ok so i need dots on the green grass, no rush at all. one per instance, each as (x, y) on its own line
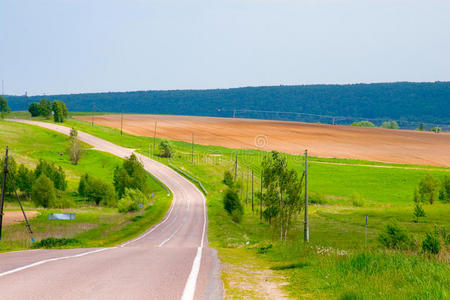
(93, 226)
(334, 264)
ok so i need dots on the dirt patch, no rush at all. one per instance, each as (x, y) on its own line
(374, 144)
(14, 217)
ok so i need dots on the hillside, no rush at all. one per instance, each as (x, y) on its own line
(408, 103)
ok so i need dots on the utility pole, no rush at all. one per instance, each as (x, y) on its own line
(121, 123)
(246, 197)
(154, 138)
(306, 237)
(2, 199)
(192, 147)
(261, 199)
(253, 208)
(93, 111)
(236, 168)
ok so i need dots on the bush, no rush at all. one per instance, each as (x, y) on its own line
(395, 236)
(131, 200)
(54, 173)
(131, 175)
(52, 242)
(317, 198)
(363, 124)
(165, 149)
(228, 179)
(232, 205)
(390, 125)
(97, 190)
(43, 192)
(432, 244)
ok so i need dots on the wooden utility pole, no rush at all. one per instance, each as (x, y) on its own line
(236, 168)
(154, 138)
(261, 199)
(121, 123)
(246, 197)
(2, 199)
(365, 235)
(253, 208)
(192, 147)
(306, 237)
(93, 111)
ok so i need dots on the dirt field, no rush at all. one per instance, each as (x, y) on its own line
(14, 217)
(375, 144)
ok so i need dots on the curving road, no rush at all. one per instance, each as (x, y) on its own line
(169, 261)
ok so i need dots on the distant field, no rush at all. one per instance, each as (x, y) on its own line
(373, 144)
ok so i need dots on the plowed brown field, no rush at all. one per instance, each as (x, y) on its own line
(375, 144)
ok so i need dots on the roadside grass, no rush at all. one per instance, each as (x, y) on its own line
(93, 226)
(334, 264)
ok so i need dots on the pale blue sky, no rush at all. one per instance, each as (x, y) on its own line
(71, 46)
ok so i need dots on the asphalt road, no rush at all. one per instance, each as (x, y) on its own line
(169, 261)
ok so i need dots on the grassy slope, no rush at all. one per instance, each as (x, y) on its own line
(333, 264)
(94, 226)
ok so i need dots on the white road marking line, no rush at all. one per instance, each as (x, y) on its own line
(191, 283)
(52, 259)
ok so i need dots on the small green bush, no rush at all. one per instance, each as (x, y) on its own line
(432, 244)
(228, 179)
(395, 236)
(52, 242)
(232, 205)
(131, 200)
(43, 192)
(357, 201)
(317, 198)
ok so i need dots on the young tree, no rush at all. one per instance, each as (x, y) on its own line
(4, 108)
(282, 192)
(429, 188)
(421, 127)
(418, 212)
(54, 173)
(34, 109)
(390, 125)
(74, 147)
(45, 108)
(43, 192)
(82, 186)
(165, 149)
(444, 192)
(130, 175)
(25, 179)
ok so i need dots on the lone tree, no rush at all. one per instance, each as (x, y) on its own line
(74, 147)
(4, 108)
(165, 149)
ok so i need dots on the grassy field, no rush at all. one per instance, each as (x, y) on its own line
(334, 264)
(94, 226)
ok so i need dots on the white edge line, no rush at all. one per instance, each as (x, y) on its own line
(52, 259)
(189, 288)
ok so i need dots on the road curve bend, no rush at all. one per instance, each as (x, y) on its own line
(171, 260)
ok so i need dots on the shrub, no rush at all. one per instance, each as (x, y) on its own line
(100, 192)
(43, 192)
(232, 205)
(395, 236)
(52, 242)
(363, 124)
(390, 125)
(228, 179)
(61, 201)
(54, 173)
(165, 149)
(34, 109)
(131, 200)
(317, 198)
(130, 175)
(236, 216)
(432, 244)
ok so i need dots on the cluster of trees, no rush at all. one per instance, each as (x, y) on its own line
(127, 192)
(46, 108)
(4, 108)
(281, 194)
(44, 185)
(429, 190)
(387, 124)
(402, 101)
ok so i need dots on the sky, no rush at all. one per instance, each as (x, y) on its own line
(78, 46)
